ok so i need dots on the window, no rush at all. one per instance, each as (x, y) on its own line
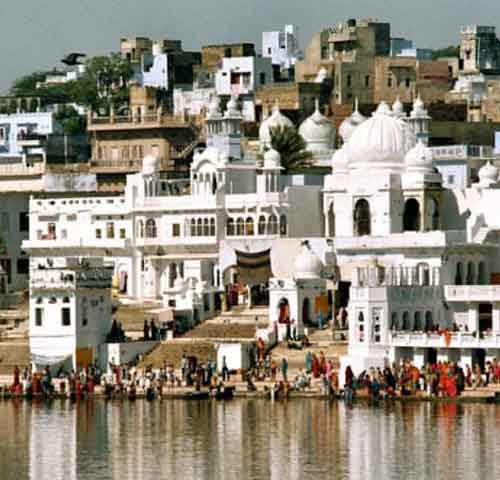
(65, 317)
(230, 227)
(269, 51)
(389, 80)
(24, 222)
(150, 228)
(240, 227)
(122, 233)
(411, 216)
(140, 229)
(273, 225)
(176, 230)
(407, 83)
(249, 230)
(451, 179)
(377, 314)
(3, 135)
(110, 230)
(262, 76)
(367, 81)
(98, 233)
(199, 227)
(362, 219)
(361, 327)
(38, 317)
(262, 225)
(348, 80)
(212, 227)
(193, 227)
(23, 266)
(283, 225)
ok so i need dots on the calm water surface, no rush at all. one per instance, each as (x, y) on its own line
(247, 439)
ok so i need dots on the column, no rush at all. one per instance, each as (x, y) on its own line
(496, 317)
(419, 357)
(473, 320)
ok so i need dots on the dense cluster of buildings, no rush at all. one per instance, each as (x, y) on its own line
(179, 198)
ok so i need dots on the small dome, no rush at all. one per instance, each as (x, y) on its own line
(488, 174)
(214, 108)
(340, 160)
(150, 164)
(317, 131)
(381, 142)
(419, 159)
(418, 108)
(350, 124)
(232, 109)
(307, 264)
(272, 159)
(276, 120)
(398, 108)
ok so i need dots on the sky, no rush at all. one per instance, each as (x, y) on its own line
(36, 34)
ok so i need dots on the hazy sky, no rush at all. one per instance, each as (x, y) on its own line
(35, 34)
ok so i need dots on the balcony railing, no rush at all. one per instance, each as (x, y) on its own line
(472, 293)
(456, 340)
(153, 120)
(130, 165)
(21, 169)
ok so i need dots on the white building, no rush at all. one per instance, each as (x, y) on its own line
(70, 311)
(282, 47)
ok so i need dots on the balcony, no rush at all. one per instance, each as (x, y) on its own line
(458, 340)
(136, 122)
(472, 293)
(123, 166)
(21, 169)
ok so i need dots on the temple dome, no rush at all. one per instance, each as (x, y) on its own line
(419, 159)
(272, 159)
(350, 124)
(317, 131)
(150, 164)
(488, 174)
(276, 120)
(381, 142)
(307, 265)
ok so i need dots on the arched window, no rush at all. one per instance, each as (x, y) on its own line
(240, 227)
(283, 225)
(411, 216)
(150, 228)
(212, 227)
(140, 229)
(214, 184)
(361, 327)
(406, 321)
(362, 218)
(471, 273)
(481, 274)
(206, 227)
(249, 230)
(394, 321)
(230, 227)
(262, 225)
(428, 321)
(193, 227)
(459, 275)
(424, 276)
(417, 323)
(199, 227)
(273, 225)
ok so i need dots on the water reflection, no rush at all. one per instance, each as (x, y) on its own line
(247, 439)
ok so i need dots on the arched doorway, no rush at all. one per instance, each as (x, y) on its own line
(411, 216)
(283, 311)
(306, 317)
(362, 218)
(433, 214)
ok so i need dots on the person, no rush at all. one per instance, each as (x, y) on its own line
(284, 369)
(308, 362)
(154, 330)
(225, 370)
(294, 330)
(46, 381)
(146, 330)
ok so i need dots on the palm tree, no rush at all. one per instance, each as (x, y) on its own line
(292, 148)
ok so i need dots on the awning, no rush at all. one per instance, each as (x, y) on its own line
(254, 268)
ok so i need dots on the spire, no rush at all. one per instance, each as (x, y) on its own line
(316, 105)
(276, 107)
(356, 105)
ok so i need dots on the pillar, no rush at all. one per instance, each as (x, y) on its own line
(473, 318)
(419, 357)
(496, 317)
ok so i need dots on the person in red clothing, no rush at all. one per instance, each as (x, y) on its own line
(16, 383)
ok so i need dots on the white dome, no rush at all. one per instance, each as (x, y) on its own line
(381, 142)
(350, 124)
(419, 159)
(418, 108)
(213, 108)
(398, 108)
(150, 164)
(488, 174)
(317, 131)
(276, 120)
(232, 109)
(272, 159)
(307, 264)
(340, 160)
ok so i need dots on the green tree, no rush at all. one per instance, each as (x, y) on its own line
(292, 148)
(450, 51)
(71, 121)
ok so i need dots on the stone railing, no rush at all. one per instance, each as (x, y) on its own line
(472, 293)
(433, 340)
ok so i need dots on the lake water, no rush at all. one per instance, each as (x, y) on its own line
(247, 439)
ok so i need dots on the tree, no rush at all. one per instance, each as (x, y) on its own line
(292, 148)
(70, 120)
(450, 51)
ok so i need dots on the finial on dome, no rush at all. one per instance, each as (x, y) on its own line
(316, 105)
(356, 105)
(276, 106)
